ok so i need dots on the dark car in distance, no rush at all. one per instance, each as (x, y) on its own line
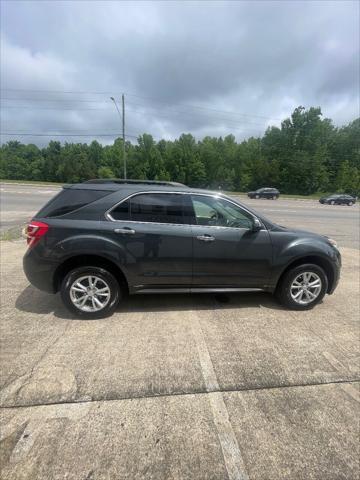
(98, 241)
(338, 199)
(267, 192)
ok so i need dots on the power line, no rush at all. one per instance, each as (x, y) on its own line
(207, 117)
(159, 100)
(52, 100)
(26, 107)
(230, 121)
(206, 108)
(102, 102)
(65, 134)
(58, 91)
(235, 124)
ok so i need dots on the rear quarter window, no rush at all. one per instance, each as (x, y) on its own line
(69, 200)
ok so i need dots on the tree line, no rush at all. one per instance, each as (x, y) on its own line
(307, 154)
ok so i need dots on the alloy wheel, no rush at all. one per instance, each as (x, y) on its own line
(305, 288)
(90, 293)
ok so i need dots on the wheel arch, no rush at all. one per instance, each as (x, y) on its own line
(89, 260)
(316, 260)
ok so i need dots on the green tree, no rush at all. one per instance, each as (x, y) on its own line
(306, 154)
(105, 172)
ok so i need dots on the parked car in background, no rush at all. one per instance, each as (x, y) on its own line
(267, 192)
(96, 242)
(338, 199)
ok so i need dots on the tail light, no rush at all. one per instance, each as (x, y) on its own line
(34, 231)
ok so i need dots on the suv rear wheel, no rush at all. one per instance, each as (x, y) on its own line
(303, 287)
(90, 292)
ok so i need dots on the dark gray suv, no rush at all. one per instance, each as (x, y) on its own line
(269, 193)
(97, 241)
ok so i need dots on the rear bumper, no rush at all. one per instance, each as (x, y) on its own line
(39, 272)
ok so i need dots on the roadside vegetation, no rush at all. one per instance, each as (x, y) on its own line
(31, 182)
(12, 233)
(306, 155)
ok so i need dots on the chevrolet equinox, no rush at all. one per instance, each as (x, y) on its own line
(99, 240)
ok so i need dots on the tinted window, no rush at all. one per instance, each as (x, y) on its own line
(122, 211)
(69, 200)
(157, 207)
(152, 207)
(218, 212)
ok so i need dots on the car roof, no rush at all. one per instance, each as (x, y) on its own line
(130, 187)
(114, 186)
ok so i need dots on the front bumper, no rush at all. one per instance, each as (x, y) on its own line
(336, 272)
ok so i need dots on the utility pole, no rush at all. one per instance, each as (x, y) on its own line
(123, 128)
(123, 132)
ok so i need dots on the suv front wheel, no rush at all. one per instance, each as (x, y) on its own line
(90, 292)
(302, 287)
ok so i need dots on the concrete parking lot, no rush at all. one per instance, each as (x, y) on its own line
(182, 387)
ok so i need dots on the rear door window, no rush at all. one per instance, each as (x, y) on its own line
(68, 200)
(157, 208)
(154, 208)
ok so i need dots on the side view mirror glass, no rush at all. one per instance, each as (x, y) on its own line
(257, 225)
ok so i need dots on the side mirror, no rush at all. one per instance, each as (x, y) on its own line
(257, 225)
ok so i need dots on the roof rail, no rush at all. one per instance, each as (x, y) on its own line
(122, 181)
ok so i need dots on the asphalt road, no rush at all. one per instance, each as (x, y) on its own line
(179, 387)
(20, 202)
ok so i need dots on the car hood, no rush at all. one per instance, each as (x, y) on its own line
(298, 231)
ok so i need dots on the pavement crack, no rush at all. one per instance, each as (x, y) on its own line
(29, 375)
(48, 348)
(95, 399)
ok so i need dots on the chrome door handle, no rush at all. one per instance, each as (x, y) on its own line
(206, 238)
(125, 231)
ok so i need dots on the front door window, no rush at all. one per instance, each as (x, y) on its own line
(218, 212)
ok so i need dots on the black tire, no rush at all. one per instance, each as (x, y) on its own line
(257, 196)
(102, 274)
(350, 204)
(332, 202)
(283, 290)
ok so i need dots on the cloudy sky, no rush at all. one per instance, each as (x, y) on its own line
(208, 68)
